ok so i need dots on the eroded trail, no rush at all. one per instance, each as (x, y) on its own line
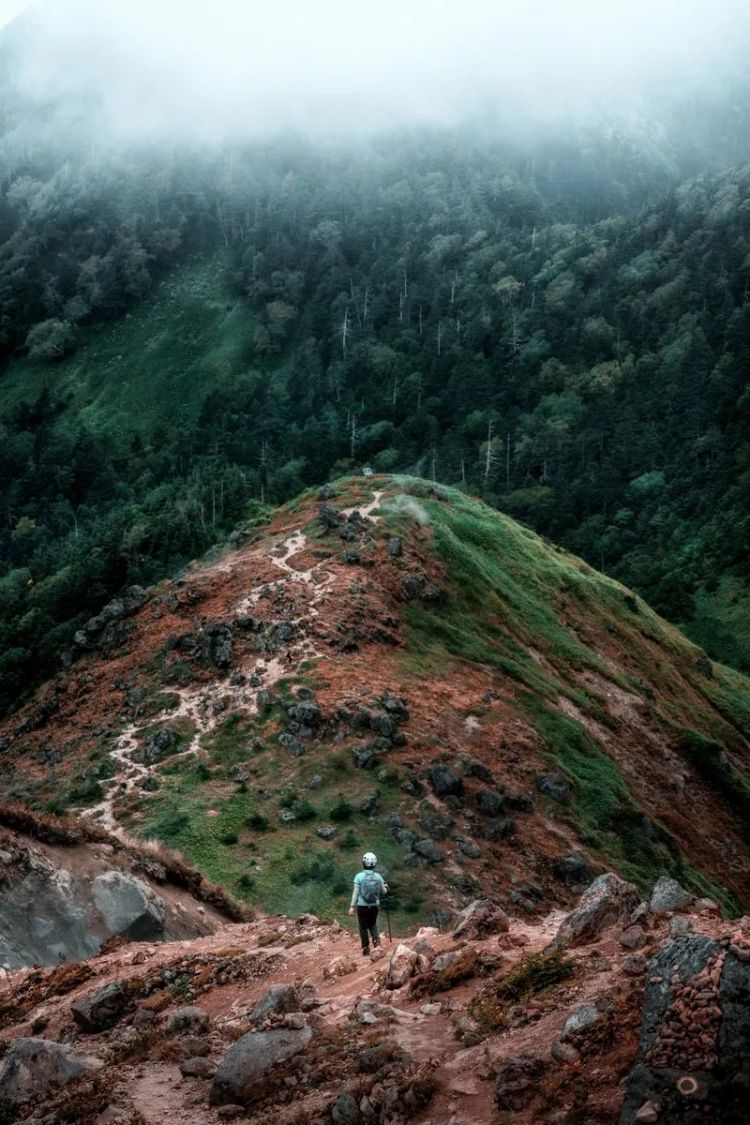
(236, 692)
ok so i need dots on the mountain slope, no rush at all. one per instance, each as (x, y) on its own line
(404, 666)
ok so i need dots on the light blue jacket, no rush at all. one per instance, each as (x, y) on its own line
(357, 899)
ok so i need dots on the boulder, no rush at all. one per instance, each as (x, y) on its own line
(516, 1081)
(669, 895)
(607, 901)
(160, 744)
(499, 828)
(129, 907)
(445, 782)
(277, 1000)
(480, 919)
(101, 1009)
(250, 1058)
(34, 1067)
(198, 1067)
(490, 802)
(188, 1020)
(633, 937)
(428, 850)
(329, 516)
(694, 1054)
(345, 1110)
(573, 870)
(580, 1022)
(403, 966)
(556, 787)
(217, 642)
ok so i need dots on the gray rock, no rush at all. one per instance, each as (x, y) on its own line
(564, 1052)
(325, 831)
(161, 744)
(345, 1110)
(369, 804)
(580, 1022)
(490, 802)
(445, 782)
(395, 547)
(722, 1071)
(635, 965)
(468, 847)
(556, 787)
(307, 713)
(669, 895)
(680, 925)
(197, 1068)
(276, 1000)
(499, 828)
(32, 1068)
(329, 516)
(607, 901)
(516, 1081)
(250, 1058)
(364, 757)
(573, 870)
(428, 850)
(101, 1009)
(187, 1020)
(129, 907)
(633, 937)
(480, 919)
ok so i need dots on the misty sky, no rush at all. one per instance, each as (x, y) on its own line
(210, 66)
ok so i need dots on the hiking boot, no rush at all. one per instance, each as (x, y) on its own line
(365, 952)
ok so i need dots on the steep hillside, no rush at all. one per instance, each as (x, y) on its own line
(395, 665)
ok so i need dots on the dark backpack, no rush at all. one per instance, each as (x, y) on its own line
(369, 888)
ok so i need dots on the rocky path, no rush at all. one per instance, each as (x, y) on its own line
(197, 704)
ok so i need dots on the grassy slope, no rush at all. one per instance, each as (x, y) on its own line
(511, 593)
(508, 594)
(152, 366)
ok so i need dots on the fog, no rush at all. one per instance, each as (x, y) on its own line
(240, 66)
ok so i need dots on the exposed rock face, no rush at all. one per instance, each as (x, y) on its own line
(129, 907)
(608, 900)
(573, 870)
(250, 1057)
(669, 895)
(694, 1057)
(480, 919)
(34, 1067)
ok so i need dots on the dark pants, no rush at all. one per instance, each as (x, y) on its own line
(367, 916)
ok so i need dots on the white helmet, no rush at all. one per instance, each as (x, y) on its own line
(369, 859)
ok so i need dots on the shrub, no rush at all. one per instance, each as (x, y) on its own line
(258, 822)
(341, 812)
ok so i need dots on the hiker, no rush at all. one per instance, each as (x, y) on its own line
(369, 885)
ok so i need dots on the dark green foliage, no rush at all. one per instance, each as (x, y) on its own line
(258, 822)
(711, 763)
(341, 812)
(534, 974)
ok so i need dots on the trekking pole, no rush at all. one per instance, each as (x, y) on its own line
(388, 916)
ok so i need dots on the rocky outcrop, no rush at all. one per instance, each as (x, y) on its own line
(129, 907)
(480, 919)
(250, 1058)
(668, 895)
(100, 1009)
(34, 1067)
(607, 901)
(693, 1061)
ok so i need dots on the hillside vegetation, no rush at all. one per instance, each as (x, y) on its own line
(185, 334)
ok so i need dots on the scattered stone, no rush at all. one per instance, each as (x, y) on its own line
(431, 1009)
(187, 1020)
(499, 829)
(250, 1058)
(276, 1000)
(445, 782)
(490, 802)
(635, 965)
(428, 850)
(230, 1112)
(345, 1111)
(395, 547)
(607, 901)
(516, 1081)
(480, 919)
(556, 788)
(579, 1022)
(101, 1009)
(680, 925)
(564, 1052)
(339, 967)
(468, 847)
(648, 1112)
(369, 804)
(326, 831)
(573, 870)
(633, 937)
(668, 895)
(197, 1068)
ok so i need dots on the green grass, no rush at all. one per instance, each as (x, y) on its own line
(157, 362)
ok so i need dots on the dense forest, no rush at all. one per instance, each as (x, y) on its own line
(561, 325)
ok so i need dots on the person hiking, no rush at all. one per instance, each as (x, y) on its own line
(369, 885)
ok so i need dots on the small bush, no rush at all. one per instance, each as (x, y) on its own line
(257, 822)
(341, 812)
(466, 966)
(349, 841)
(228, 838)
(531, 976)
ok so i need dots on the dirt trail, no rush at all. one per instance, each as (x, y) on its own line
(197, 704)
